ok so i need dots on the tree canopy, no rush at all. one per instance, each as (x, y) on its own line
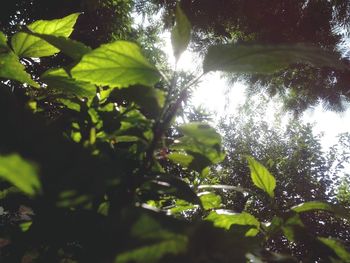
(324, 24)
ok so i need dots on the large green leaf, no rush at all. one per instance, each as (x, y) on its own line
(226, 220)
(318, 205)
(118, 64)
(60, 80)
(20, 173)
(266, 59)
(261, 176)
(181, 33)
(69, 47)
(11, 68)
(201, 142)
(26, 45)
(339, 249)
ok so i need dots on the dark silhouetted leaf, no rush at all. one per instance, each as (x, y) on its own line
(266, 59)
(181, 33)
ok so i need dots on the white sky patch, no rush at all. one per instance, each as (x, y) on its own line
(213, 94)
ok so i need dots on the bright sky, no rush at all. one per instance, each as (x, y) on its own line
(212, 94)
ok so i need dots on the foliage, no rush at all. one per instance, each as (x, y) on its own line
(93, 184)
(321, 24)
(303, 172)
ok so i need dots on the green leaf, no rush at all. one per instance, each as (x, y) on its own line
(177, 187)
(226, 220)
(3, 42)
(181, 206)
(26, 45)
(118, 64)
(153, 253)
(157, 240)
(340, 250)
(151, 101)
(21, 173)
(181, 33)
(72, 48)
(261, 176)
(224, 187)
(181, 158)
(318, 205)
(11, 68)
(200, 141)
(266, 59)
(210, 200)
(59, 80)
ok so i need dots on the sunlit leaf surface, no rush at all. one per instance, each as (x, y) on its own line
(118, 64)
(26, 45)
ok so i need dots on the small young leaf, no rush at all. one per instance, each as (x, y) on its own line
(264, 59)
(210, 200)
(118, 64)
(181, 33)
(318, 205)
(11, 68)
(26, 45)
(20, 173)
(261, 176)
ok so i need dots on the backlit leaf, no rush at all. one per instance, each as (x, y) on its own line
(69, 47)
(318, 205)
(59, 80)
(261, 177)
(19, 172)
(153, 253)
(340, 250)
(266, 59)
(210, 200)
(3, 42)
(11, 68)
(200, 141)
(181, 33)
(181, 158)
(226, 220)
(26, 45)
(118, 64)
